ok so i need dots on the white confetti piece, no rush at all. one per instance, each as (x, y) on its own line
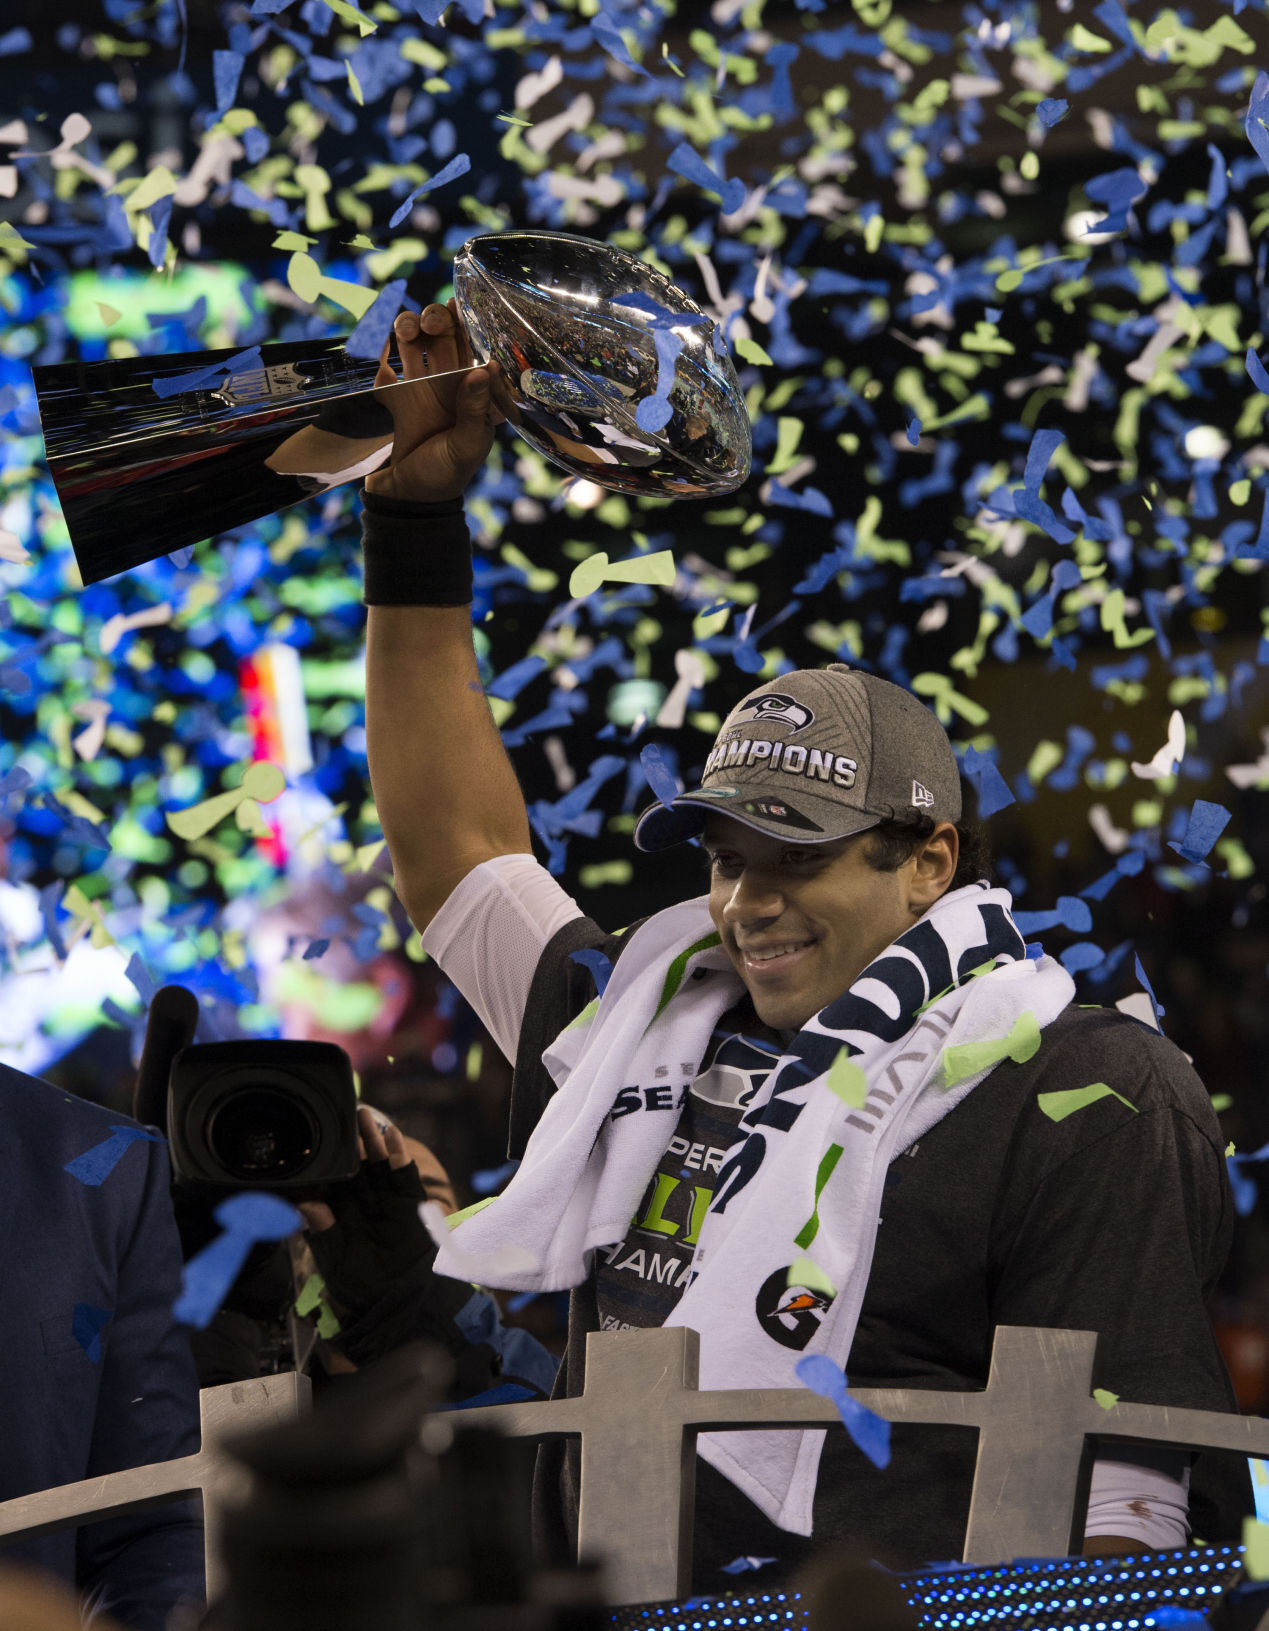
(1169, 755)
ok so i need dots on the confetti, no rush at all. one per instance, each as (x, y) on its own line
(870, 1432)
(96, 1164)
(1057, 1106)
(596, 570)
(1205, 825)
(87, 1324)
(971, 1058)
(245, 1218)
(261, 783)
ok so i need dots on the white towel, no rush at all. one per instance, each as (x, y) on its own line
(799, 1193)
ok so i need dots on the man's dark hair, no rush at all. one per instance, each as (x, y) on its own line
(891, 843)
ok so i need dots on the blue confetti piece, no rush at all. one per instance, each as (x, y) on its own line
(87, 1324)
(226, 72)
(1159, 1009)
(1207, 822)
(609, 36)
(1044, 444)
(1034, 950)
(592, 958)
(489, 1179)
(685, 161)
(248, 1217)
(653, 414)
(15, 41)
(456, 167)
(662, 316)
(1069, 913)
(870, 1432)
(513, 680)
(1256, 372)
(1245, 1193)
(745, 1565)
(1118, 190)
(199, 378)
(160, 214)
(94, 1166)
(1176, 1618)
(1257, 123)
(1052, 109)
(660, 778)
(316, 949)
(1081, 957)
(367, 338)
(991, 787)
(913, 430)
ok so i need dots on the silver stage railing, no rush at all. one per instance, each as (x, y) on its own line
(1038, 1426)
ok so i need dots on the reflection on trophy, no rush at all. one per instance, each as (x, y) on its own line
(573, 325)
(150, 454)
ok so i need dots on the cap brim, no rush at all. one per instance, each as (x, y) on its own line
(661, 826)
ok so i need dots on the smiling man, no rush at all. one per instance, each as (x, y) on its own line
(805, 1112)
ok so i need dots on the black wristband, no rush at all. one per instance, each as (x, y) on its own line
(415, 554)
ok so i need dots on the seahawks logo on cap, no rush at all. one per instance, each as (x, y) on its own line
(774, 707)
(777, 810)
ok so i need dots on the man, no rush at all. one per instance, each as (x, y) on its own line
(95, 1375)
(817, 1090)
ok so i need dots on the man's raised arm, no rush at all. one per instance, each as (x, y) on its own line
(445, 791)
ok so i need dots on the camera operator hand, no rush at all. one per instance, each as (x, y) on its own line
(367, 1236)
(433, 458)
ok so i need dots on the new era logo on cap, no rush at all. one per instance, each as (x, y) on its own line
(921, 796)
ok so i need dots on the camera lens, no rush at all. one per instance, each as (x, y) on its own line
(259, 1133)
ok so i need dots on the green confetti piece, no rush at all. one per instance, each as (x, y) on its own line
(803, 1272)
(461, 1216)
(343, 1007)
(750, 351)
(1256, 1548)
(304, 276)
(847, 1080)
(310, 1295)
(156, 184)
(353, 297)
(970, 1058)
(349, 13)
(807, 1233)
(948, 701)
(292, 240)
(788, 435)
(1221, 1101)
(1057, 1106)
(585, 1017)
(261, 782)
(654, 568)
(1105, 1398)
(328, 1324)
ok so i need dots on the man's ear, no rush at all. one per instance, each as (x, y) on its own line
(935, 867)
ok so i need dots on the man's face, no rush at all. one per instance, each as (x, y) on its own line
(821, 909)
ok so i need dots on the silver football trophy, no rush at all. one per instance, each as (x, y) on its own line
(607, 368)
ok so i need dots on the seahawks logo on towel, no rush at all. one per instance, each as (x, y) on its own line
(791, 1314)
(774, 708)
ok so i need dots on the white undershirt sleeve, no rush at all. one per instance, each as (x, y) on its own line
(490, 933)
(1149, 1503)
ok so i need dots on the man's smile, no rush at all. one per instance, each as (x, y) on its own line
(768, 962)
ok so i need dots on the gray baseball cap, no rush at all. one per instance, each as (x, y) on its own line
(818, 754)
